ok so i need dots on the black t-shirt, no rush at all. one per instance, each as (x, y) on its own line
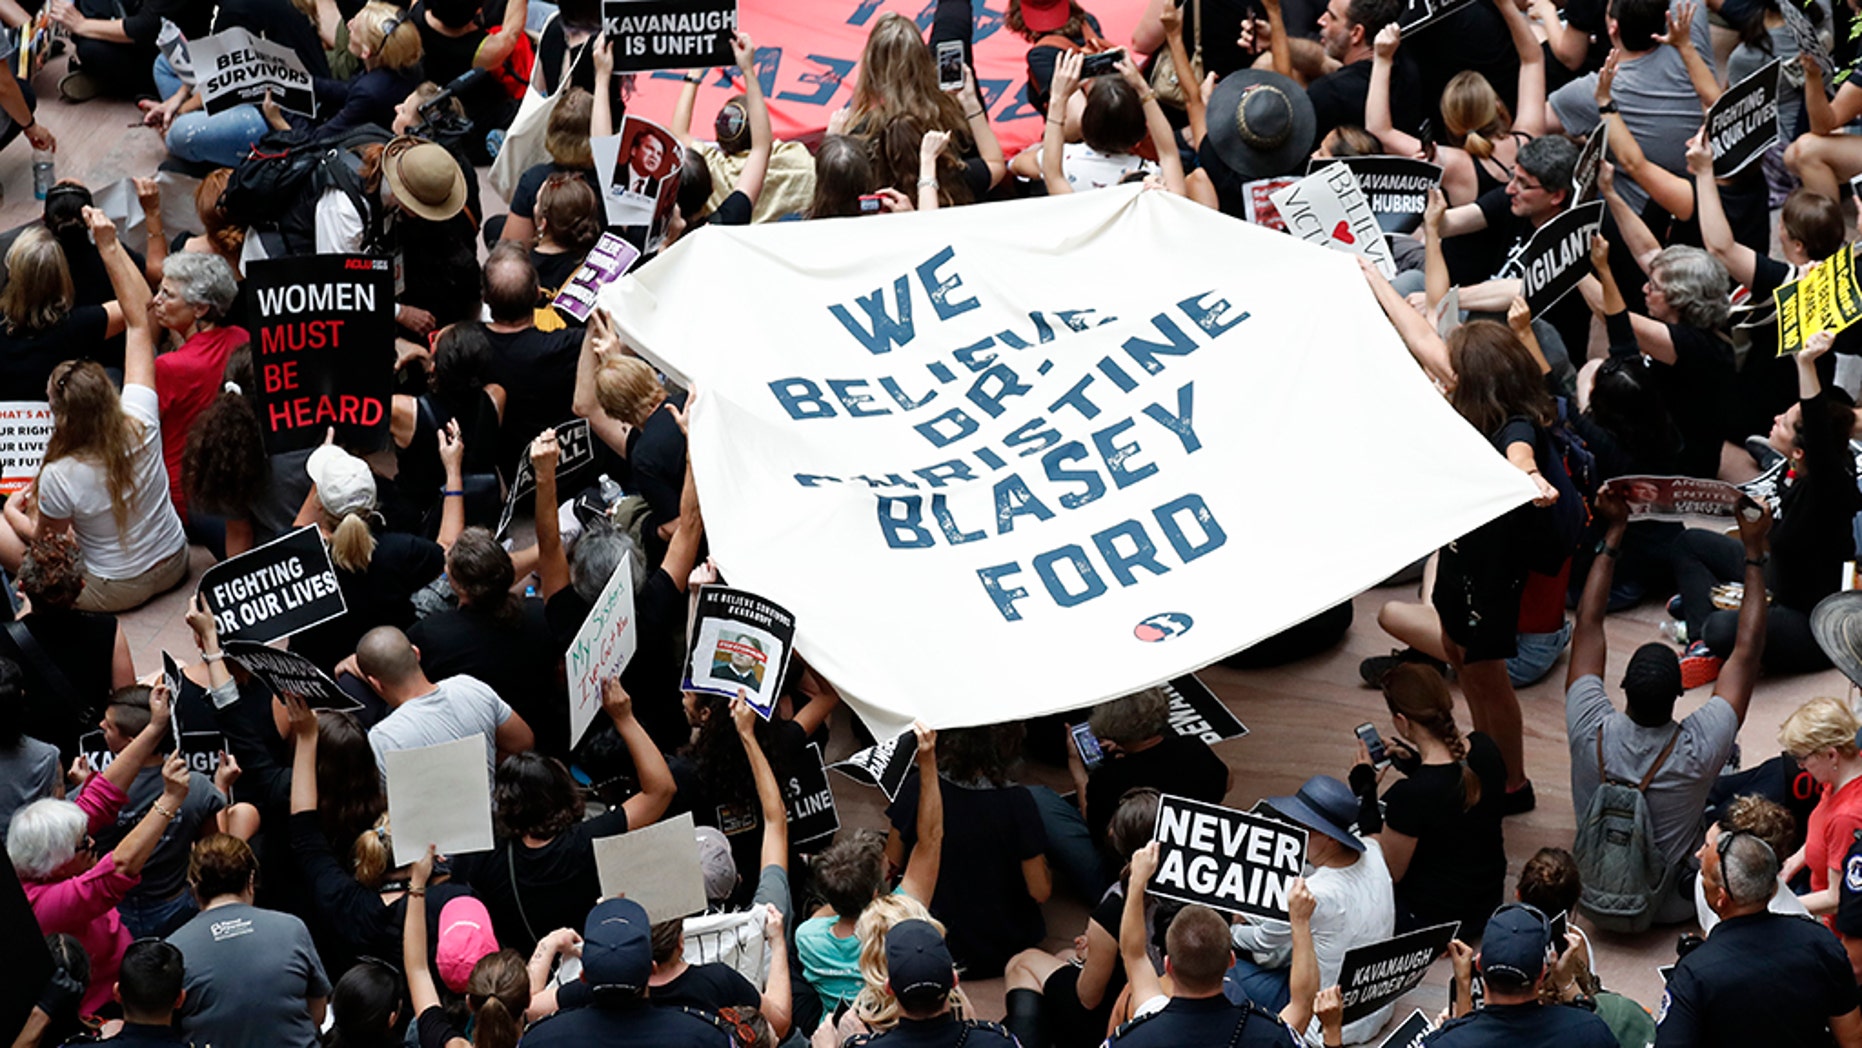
(1458, 869)
(27, 358)
(556, 882)
(1815, 532)
(707, 987)
(379, 596)
(517, 659)
(737, 813)
(435, 1030)
(1338, 98)
(736, 208)
(1763, 978)
(1703, 394)
(981, 895)
(553, 271)
(1178, 764)
(524, 197)
(537, 371)
(82, 646)
(656, 461)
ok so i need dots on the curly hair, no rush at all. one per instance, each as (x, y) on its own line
(224, 468)
(534, 796)
(719, 753)
(876, 1005)
(52, 575)
(985, 753)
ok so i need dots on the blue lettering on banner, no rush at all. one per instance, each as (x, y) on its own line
(826, 83)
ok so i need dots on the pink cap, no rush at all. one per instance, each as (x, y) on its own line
(465, 936)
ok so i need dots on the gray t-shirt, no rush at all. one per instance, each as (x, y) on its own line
(28, 772)
(250, 975)
(456, 708)
(1657, 100)
(1677, 798)
(166, 871)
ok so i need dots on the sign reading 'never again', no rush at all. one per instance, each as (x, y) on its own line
(1226, 859)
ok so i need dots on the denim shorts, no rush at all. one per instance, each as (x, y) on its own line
(1537, 654)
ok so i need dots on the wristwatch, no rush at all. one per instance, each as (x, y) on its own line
(1607, 108)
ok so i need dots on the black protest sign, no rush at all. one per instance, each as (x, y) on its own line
(1743, 124)
(740, 641)
(287, 674)
(1372, 976)
(323, 328)
(1397, 187)
(1225, 859)
(235, 68)
(575, 453)
(283, 587)
(810, 802)
(1411, 1033)
(1589, 166)
(1418, 15)
(200, 749)
(669, 34)
(1558, 256)
(1196, 712)
(883, 764)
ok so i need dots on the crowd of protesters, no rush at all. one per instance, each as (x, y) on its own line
(262, 903)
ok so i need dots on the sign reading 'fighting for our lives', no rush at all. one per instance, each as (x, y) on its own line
(1045, 467)
(283, 587)
(669, 34)
(1824, 299)
(323, 328)
(1558, 255)
(1743, 124)
(1373, 975)
(1226, 859)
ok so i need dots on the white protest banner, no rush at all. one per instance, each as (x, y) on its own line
(236, 68)
(1329, 207)
(25, 429)
(1227, 859)
(1016, 452)
(602, 647)
(439, 795)
(655, 866)
(1558, 255)
(734, 938)
(1372, 976)
(286, 586)
(1743, 124)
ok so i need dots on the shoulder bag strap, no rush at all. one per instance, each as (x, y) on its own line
(1660, 759)
(1601, 777)
(42, 661)
(517, 895)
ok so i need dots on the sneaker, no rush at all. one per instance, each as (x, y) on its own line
(1763, 454)
(1674, 607)
(79, 86)
(1374, 668)
(1519, 802)
(1699, 666)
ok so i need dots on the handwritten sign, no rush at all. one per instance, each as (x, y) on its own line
(1329, 207)
(602, 647)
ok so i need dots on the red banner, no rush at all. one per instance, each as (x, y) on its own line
(808, 56)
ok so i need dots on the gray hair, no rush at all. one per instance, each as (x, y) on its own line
(202, 280)
(1696, 285)
(597, 552)
(1748, 869)
(43, 836)
(1133, 718)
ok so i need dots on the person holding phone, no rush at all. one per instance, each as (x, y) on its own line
(1441, 834)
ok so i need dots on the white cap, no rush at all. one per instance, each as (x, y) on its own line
(717, 864)
(344, 483)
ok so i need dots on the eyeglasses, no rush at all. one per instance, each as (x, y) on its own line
(1519, 179)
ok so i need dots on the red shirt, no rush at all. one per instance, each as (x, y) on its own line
(186, 382)
(1832, 827)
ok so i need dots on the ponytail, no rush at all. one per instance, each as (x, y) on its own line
(1421, 695)
(352, 545)
(499, 994)
(1458, 748)
(372, 854)
(1477, 146)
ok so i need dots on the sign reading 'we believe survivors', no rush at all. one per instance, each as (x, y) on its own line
(1017, 466)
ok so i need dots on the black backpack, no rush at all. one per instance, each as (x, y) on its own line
(274, 191)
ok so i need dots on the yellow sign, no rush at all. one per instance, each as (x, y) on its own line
(1824, 299)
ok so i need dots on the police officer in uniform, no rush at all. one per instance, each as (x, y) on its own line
(1516, 956)
(617, 958)
(921, 975)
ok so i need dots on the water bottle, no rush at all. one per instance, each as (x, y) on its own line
(610, 491)
(43, 174)
(494, 141)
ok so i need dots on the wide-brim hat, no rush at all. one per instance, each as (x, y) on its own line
(425, 178)
(1836, 623)
(1325, 805)
(1260, 123)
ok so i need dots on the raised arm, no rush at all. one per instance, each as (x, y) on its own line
(988, 146)
(1277, 43)
(1066, 79)
(598, 340)
(1163, 139)
(768, 792)
(1303, 975)
(681, 124)
(1674, 193)
(452, 495)
(601, 117)
(421, 991)
(1742, 666)
(128, 764)
(1133, 948)
(552, 562)
(1519, 318)
(689, 533)
(136, 847)
(1436, 281)
(303, 722)
(1716, 233)
(1680, 36)
(132, 296)
(1569, 44)
(1194, 105)
(1377, 118)
(656, 785)
(762, 138)
(921, 872)
(1589, 649)
(1642, 243)
(1416, 331)
(929, 147)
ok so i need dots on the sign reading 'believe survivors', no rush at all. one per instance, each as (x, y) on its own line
(324, 328)
(1226, 859)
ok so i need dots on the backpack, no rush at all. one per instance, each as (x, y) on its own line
(1092, 45)
(274, 191)
(1622, 872)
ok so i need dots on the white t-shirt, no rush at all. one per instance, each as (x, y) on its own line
(77, 490)
(1087, 168)
(457, 708)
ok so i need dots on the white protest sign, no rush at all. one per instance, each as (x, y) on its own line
(1329, 207)
(602, 647)
(439, 795)
(974, 447)
(236, 68)
(25, 429)
(655, 866)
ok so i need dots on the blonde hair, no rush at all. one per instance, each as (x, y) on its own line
(1820, 724)
(391, 40)
(88, 423)
(875, 1005)
(566, 136)
(1472, 112)
(372, 854)
(352, 543)
(38, 291)
(628, 389)
(899, 78)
